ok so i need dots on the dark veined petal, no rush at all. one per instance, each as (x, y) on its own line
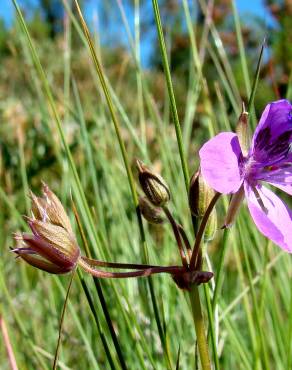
(279, 177)
(220, 163)
(273, 135)
(271, 215)
(282, 181)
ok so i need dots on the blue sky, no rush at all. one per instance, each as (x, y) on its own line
(244, 6)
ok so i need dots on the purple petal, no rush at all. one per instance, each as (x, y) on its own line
(220, 163)
(273, 135)
(287, 188)
(282, 181)
(274, 220)
(281, 178)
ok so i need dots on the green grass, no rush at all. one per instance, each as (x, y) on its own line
(85, 142)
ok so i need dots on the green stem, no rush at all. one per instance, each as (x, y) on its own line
(211, 326)
(109, 104)
(256, 79)
(62, 321)
(171, 92)
(96, 319)
(219, 278)
(117, 127)
(200, 328)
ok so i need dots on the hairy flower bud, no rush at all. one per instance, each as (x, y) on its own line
(200, 195)
(242, 131)
(153, 185)
(211, 226)
(52, 246)
(152, 214)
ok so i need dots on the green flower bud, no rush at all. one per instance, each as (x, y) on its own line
(153, 185)
(242, 131)
(152, 214)
(211, 227)
(200, 195)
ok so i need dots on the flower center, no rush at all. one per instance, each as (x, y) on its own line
(250, 169)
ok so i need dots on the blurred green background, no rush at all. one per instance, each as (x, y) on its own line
(213, 52)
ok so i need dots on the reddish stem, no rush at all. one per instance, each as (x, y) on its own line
(133, 266)
(201, 230)
(118, 275)
(176, 232)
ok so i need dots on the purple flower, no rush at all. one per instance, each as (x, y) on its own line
(269, 159)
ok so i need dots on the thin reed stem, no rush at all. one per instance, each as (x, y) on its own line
(110, 105)
(62, 321)
(256, 79)
(171, 93)
(117, 127)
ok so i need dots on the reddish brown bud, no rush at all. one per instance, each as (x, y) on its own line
(152, 214)
(52, 247)
(153, 185)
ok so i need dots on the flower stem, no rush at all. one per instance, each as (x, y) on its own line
(173, 270)
(201, 230)
(177, 235)
(200, 328)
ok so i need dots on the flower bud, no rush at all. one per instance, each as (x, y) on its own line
(242, 131)
(200, 195)
(153, 186)
(211, 226)
(152, 214)
(52, 246)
